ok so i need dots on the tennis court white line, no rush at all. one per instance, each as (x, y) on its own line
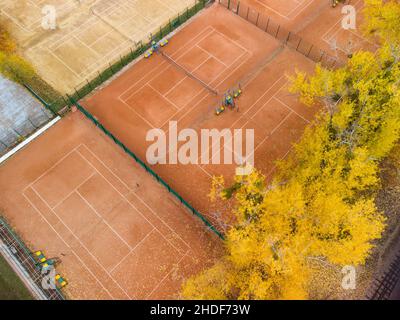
(114, 54)
(129, 203)
(336, 23)
(233, 41)
(141, 200)
(85, 45)
(280, 14)
(175, 85)
(64, 64)
(140, 116)
(300, 11)
(216, 85)
(73, 191)
(210, 54)
(102, 219)
(163, 70)
(82, 244)
(201, 100)
(272, 132)
(36, 23)
(132, 250)
(52, 167)
(96, 171)
(166, 276)
(290, 108)
(164, 97)
(29, 139)
(291, 112)
(165, 63)
(150, 80)
(275, 129)
(243, 116)
(355, 34)
(67, 245)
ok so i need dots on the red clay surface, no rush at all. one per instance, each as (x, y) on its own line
(223, 50)
(75, 195)
(315, 21)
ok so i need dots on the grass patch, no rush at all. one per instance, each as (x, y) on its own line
(11, 286)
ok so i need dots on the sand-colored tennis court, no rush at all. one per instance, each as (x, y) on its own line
(89, 34)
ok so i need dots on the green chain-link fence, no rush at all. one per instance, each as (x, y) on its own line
(147, 168)
(26, 260)
(79, 93)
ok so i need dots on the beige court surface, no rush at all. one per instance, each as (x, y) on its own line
(89, 34)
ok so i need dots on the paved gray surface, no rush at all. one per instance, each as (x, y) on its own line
(20, 113)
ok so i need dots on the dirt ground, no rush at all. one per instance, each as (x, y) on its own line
(222, 50)
(75, 195)
(90, 34)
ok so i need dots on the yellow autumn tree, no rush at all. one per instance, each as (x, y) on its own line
(16, 68)
(321, 203)
(12, 65)
(382, 21)
(7, 45)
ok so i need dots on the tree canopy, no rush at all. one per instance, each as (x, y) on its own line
(321, 203)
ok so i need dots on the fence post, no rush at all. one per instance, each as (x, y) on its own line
(30, 121)
(309, 51)
(248, 11)
(258, 16)
(3, 144)
(237, 8)
(90, 86)
(298, 45)
(266, 28)
(322, 55)
(155, 175)
(65, 101)
(288, 37)
(48, 106)
(277, 31)
(77, 94)
(229, 4)
(72, 101)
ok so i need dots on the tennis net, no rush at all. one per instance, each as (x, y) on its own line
(188, 73)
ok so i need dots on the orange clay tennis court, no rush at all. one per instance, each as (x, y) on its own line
(75, 195)
(315, 21)
(222, 50)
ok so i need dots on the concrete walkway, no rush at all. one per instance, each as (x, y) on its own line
(20, 114)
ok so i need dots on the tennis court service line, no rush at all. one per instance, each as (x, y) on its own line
(188, 73)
